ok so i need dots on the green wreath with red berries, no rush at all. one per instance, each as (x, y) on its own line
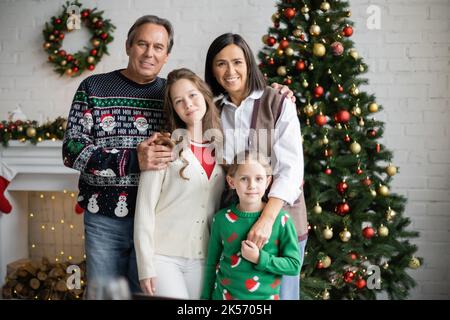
(72, 18)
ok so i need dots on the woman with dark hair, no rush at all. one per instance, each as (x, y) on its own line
(257, 117)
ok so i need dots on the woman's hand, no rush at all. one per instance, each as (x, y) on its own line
(152, 156)
(250, 251)
(284, 89)
(260, 232)
(148, 285)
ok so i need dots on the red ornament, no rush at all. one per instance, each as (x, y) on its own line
(321, 120)
(328, 171)
(359, 171)
(78, 209)
(340, 88)
(337, 48)
(342, 187)
(61, 36)
(360, 283)
(98, 24)
(378, 148)
(348, 276)
(318, 91)
(104, 35)
(58, 21)
(93, 52)
(271, 41)
(62, 53)
(91, 67)
(372, 133)
(347, 139)
(353, 256)
(75, 69)
(342, 208)
(300, 65)
(367, 182)
(328, 152)
(69, 57)
(342, 116)
(283, 44)
(56, 32)
(276, 24)
(288, 81)
(85, 13)
(289, 13)
(348, 31)
(368, 232)
(319, 265)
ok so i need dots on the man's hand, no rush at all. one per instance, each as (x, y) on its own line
(152, 156)
(148, 286)
(284, 89)
(250, 251)
(260, 232)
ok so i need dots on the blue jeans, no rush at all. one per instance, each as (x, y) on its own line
(110, 252)
(290, 285)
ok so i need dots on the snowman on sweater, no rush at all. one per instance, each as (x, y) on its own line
(121, 209)
(92, 203)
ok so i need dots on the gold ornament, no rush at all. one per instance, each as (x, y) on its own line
(326, 295)
(19, 128)
(95, 42)
(361, 68)
(264, 38)
(281, 71)
(329, 71)
(391, 170)
(69, 71)
(349, 13)
(319, 50)
(275, 17)
(304, 9)
(90, 59)
(289, 51)
(326, 262)
(31, 132)
(314, 30)
(280, 52)
(63, 63)
(305, 84)
(385, 266)
(325, 140)
(414, 263)
(297, 33)
(383, 190)
(317, 209)
(383, 231)
(354, 91)
(327, 19)
(311, 67)
(373, 193)
(353, 53)
(327, 233)
(361, 122)
(356, 111)
(373, 107)
(390, 214)
(355, 148)
(308, 110)
(51, 38)
(345, 235)
(47, 45)
(324, 6)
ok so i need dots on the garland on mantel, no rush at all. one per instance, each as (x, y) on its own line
(31, 131)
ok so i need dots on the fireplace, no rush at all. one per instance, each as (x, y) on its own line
(41, 184)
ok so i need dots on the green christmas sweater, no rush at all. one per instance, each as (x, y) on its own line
(229, 276)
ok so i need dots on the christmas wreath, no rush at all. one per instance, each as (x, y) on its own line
(74, 17)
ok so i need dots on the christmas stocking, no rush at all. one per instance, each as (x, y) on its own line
(6, 175)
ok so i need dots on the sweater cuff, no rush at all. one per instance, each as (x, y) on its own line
(263, 260)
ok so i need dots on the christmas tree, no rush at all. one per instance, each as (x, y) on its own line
(358, 243)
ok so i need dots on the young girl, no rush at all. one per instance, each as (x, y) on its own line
(174, 205)
(250, 109)
(235, 267)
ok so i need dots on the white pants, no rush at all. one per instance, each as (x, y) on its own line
(179, 278)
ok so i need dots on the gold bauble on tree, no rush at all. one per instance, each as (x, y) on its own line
(314, 30)
(354, 91)
(390, 214)
(326, 262)
(324, 6)
(373, 107)
(326, 295)
(281, 71)
(297, 33)
(414, 263)
(317, 209)
(90, 59)
(353, 53)
(305, 83)
(327, 233)
(355, 147)
(345, 235)
(289, 51)
(319, 50)
(383, 231)
(383, 190)
(280, 52)
(391, 170)
(308, 110)
(31, 132)
(356, 111)
(304, 9)
(325, 140)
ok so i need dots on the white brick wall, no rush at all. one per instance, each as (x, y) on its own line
(409, 74)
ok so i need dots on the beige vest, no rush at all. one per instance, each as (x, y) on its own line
(266, 111)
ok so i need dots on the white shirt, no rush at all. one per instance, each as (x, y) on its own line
(173, 214)
(287, 150)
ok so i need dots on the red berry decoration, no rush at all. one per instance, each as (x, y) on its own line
(321, 120)
(368, 232)
(342, 187)
(348, 31)
(85, 13)
(318, 91)
(289, 13)
(360, 283)
(348, 276)
(91, 67)
(104, 35)
(58, 21)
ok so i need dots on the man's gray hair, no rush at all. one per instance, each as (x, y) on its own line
(154, 20)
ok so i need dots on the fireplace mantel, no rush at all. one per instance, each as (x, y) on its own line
(38, 167)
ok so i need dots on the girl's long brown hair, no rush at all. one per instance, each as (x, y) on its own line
(211, 119)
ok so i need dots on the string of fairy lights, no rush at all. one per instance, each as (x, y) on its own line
(50, 225)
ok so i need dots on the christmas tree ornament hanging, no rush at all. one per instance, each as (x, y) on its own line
(321, 119)
(353, 53)
(342, 116)
(314, 30)
(368, 232)
(383, 231)
(289, 13)
(304, 9)
(354, 91)
(342, 187)
(356, 111)
(383, 190)
(325, 295)
(324, 6)
(337, 48)
(414, 263)
(327, 233)
(281, 71)
(318, 91)
(355, 147)
(319, 50)
(345, 235)
(342, 208)
(326, 262)
(373, 107)
(348, 276)
(390, 214)
(347, 31)
(308, 110)
(325, 140)
(391, 170)
(360, 283)
(289, 52)
(317, 209)
(305, 83)
(300, 65)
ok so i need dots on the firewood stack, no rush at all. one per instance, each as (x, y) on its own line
(41, 280)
